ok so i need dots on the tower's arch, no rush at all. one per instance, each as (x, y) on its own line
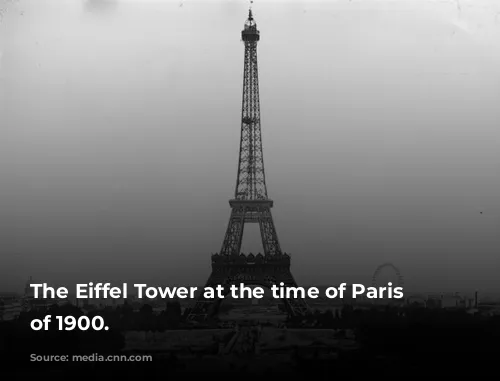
(263, 283)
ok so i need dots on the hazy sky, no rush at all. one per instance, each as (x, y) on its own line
(120, 130)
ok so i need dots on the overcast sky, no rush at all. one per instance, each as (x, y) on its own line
(120, 125)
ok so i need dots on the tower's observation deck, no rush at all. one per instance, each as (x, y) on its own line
(250, 32)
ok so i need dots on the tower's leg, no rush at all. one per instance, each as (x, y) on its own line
(268, 232)
(294, 306)
(234, 233)
(205, 308)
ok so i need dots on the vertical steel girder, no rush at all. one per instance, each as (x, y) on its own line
(251, 181)
(252, 212)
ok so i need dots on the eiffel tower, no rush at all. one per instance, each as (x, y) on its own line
(250, 205)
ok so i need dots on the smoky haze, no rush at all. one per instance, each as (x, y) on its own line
(120, 136)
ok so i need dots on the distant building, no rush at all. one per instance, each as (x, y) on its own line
(434, 303)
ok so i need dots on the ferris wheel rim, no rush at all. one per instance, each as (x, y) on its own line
(387, 265)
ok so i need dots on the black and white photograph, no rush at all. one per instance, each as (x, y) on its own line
(278, 188)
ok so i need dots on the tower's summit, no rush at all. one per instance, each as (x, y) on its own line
(250, 32)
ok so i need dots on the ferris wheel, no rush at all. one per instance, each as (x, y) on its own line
(398, 278)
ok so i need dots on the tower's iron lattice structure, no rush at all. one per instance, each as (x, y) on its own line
(251, 204)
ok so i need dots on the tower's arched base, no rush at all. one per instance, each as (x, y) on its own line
(259, 270)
